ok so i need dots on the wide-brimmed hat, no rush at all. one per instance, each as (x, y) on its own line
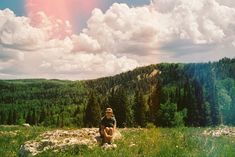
(108, 110)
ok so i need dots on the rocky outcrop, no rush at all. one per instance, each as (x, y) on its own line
(220, 131)
(60, 139)
(154, 73)
(151, 75)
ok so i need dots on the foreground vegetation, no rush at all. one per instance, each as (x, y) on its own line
(152, 142)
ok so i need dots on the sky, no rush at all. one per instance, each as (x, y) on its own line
(77, 39)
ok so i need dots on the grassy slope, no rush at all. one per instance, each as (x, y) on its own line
(11, 137)
(162, 142)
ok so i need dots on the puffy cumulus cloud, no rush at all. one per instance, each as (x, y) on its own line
(122, 29)
(92, 65)
(86, 43)
(33, 49)
(117, 40)
(16, 32)
(145, 30)
(22, 33)
(53, 27)
(202, 21)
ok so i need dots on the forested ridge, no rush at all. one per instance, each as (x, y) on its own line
(167, 95)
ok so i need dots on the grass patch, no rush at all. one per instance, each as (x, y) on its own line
(161, 142)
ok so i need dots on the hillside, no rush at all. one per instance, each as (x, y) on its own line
(196, 94)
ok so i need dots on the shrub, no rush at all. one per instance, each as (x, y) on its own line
(150, 126)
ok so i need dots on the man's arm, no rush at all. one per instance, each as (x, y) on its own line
(102, 127)
(115, 125)
(102, 123)
(103, 131)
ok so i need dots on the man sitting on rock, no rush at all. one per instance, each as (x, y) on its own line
(107, 126)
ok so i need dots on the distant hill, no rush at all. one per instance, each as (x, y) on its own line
(195, 94)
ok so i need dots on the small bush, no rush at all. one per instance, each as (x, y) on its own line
(150, 126)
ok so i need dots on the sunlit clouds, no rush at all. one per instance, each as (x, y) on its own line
(61, 12)
(44, 44)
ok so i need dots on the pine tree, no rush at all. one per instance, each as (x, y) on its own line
(10, 117)
(3, 117)
(42, 115)
(15, 117)
(29, 118)
(215, 111)
(62, 120)
(34, 117)
(189, 103)
(232, 112)
(180, 105)
(92, 113)
(212, 98)
(118, 101)
(166, 114)
(154, 103)
(140, 109)
(207, 114)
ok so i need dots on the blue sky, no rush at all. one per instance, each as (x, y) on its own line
(18, 6)
(15, 5)
(119, 37)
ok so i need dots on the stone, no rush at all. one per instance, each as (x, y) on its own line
(26, 125)
(61, 139)
(107, 146)
(132, 144)
(220, 131)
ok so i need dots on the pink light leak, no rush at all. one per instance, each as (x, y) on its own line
(58, 12)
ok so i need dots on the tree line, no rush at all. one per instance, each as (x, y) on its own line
(166, 95)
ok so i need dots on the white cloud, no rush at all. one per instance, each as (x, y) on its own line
(117, 40)
(83, 42)
(54, 28)
(45, 64)
(16, 32)
(198, 25)
(33, 49)
(229, 3)
(163, 21)
(89, 64)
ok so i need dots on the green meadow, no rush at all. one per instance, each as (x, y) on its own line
(152, 142)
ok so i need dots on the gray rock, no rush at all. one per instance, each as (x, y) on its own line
(107, 146)
(60, 139)
(220, 131)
